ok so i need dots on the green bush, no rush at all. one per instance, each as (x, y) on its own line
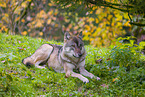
(125, 54)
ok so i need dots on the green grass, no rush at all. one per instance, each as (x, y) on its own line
(18, 80)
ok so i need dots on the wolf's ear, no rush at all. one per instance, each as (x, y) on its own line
(67, 36)
(80, 35)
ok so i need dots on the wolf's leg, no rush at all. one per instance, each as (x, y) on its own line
(69, 72)
(42, 54)
(85, 80)
(85, 72)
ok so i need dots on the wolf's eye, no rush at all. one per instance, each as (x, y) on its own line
(72, 45)
(81, 45)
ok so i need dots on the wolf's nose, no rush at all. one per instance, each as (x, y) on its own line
(80, 54)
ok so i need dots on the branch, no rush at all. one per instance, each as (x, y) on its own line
(124, 10)
(115, 4)
(1, 10)
(25, 11)
(129, 15)
(137, 24)
(111, 5)
(17, 6)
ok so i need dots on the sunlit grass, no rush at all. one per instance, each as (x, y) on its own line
(18, 80)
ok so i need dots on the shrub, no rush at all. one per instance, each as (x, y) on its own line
(125, 54)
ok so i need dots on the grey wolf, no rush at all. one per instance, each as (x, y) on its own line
(64, 58)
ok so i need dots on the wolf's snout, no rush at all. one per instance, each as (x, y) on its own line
(80, 54)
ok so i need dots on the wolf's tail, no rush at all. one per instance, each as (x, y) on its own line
(28, 61)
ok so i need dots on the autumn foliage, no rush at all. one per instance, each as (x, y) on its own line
(45, 19)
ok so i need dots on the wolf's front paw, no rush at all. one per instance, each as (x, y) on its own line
(98, 78)
(85, 80)
(91, 75)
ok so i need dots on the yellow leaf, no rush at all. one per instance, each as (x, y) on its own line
(70, 26)
(50, 12)
(6, 29)
(18, 10)
(127, 24)
(48, 21)
(2, 4)
(41, 14)
(3, 27)
(94, 8)
(56, 25)
(97, 21)
(109, 35)
(91, 39)
(29, 0)
(24, 33)
(119, 17)
(83, 32)
(100, 17)
(23, 20)
(85, 38)
(87, 27)
(86, 33)
(91, 12)
(17, 19)
(95, 34)
(112, 24)
(90, 20)
(109, 17)
(40, 33)
(33, 22)
(6, 15)
(99, 11)
(50, 4)
(66, 20)
(76, 27)
(5, 18)
(24, 4)
(92, 30)
(119, 24)
(115, 79)
(39, 24)
(125, 15)
(104, 35)
(81, 24)
(54, 18)
(29, 30)
(69, 13)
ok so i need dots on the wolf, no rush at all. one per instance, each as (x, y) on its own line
(64, 58)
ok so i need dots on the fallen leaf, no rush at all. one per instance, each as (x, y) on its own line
(21, 48)
(108, 59)
(115, 79)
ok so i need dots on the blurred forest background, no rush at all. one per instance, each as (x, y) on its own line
(100, 21)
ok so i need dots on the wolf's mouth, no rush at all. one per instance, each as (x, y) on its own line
(76, 56)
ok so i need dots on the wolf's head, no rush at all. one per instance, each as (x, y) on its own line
(73, 45)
